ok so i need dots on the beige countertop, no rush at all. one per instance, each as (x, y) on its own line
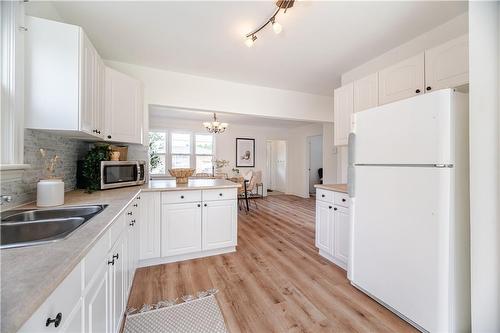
(30, 274)
(333, 187)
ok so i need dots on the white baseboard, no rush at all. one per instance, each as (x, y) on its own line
(337, 262)
(187, 256)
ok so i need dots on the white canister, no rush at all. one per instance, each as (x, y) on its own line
(50, 192)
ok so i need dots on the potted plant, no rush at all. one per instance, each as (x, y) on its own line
(92, 166)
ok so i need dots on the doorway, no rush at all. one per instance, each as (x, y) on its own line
(315, 148)
(276, 152)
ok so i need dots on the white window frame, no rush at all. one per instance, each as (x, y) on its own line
(12, 96)
(168, 154)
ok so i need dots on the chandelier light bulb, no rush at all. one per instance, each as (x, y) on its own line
(277, 27)
(250, 40)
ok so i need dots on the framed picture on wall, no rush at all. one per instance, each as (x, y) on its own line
(245, 153)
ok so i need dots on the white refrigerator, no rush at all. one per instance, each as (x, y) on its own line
(408, 180)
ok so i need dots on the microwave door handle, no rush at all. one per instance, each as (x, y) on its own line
(138, 173)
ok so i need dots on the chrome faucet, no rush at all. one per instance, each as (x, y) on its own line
(5, 199)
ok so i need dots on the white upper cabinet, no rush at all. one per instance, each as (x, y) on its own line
(447, 65)
(343, 108)
(124, 107)
(402, 80)
(366, 92)
(63, 79)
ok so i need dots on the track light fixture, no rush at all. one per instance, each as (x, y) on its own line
(277, 27)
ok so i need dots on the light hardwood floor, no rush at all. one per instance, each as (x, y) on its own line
(275, 282)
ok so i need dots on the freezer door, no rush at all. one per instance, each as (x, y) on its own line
(416, 130)
(400, 244)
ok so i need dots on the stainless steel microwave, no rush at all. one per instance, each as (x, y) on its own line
(122, 173)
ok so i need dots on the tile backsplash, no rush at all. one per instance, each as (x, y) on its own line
(69, 150)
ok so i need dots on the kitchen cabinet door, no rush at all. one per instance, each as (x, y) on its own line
(343, 108)
(341, 234)
(402, 80)
(180, 229)
(123, 107)
(324, 226)
(74, 322)
(447, 65)
(149, 225)
(89, 82)
(219, 224)
(366, 93)
(98, 303)
(118, 283)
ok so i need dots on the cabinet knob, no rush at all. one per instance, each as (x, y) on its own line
(138, 198)
(428, 88)
(115, 256)
(220, 194)
(322, 195)
(57, 320)
(111, 262)
(94, 131)
(182, 197)
(417, 91)
(109, 136)
(335, 208)
(343, 200)
(329, 207)
(135, 205)
(199, 205)
(131, 224)
(205, 205)
(130, 213)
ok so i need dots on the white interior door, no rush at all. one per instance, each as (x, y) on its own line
(315, 160)
(401, 240)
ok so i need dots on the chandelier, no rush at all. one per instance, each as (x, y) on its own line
(215, 126)
(251, 37)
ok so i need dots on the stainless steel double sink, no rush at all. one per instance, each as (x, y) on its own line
(37, 226)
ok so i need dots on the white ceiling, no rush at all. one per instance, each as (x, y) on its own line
(320, 39)
(167, 113)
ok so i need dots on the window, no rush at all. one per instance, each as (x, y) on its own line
(204, 152)
(157, 152)
(180, 149)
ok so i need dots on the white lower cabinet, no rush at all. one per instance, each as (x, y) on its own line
(341, 234)
(149, 228)
(98, 302)
(324, 226)
(181, 229)
(333, 228)
(219, 224)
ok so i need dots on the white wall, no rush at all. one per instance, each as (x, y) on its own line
(484, 87)
(298, 164)
(439, 35)
(297, 183)
(330, 153)
(201, 93)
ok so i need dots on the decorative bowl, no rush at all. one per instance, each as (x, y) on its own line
(181, 174)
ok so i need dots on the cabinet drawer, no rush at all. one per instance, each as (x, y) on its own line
(180, 196)
(219, 194)
(63, 300)
(324, 195)
(341, 199)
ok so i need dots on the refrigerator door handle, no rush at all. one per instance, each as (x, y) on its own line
(351, 174)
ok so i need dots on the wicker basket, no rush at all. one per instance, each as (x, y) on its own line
(181, 174)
